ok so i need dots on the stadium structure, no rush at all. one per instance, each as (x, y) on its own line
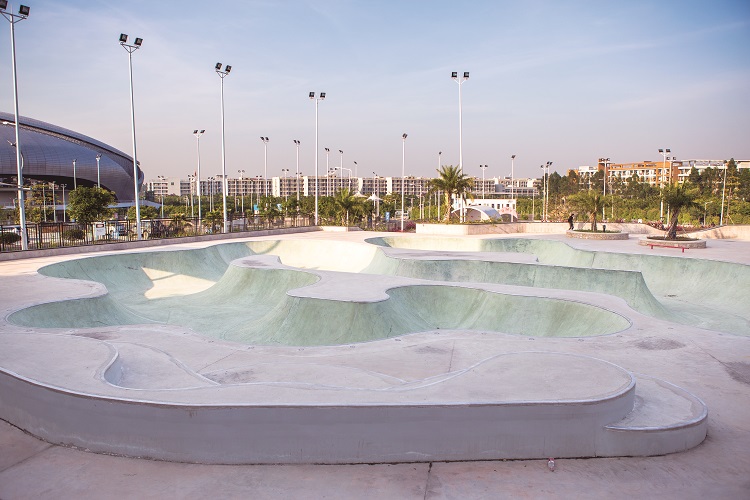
(49, 151)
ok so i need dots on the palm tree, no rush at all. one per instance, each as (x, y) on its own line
(678, 198)
(590, 202)
(345, 201)
(451, 181)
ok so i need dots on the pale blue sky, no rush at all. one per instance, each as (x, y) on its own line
(561, 81)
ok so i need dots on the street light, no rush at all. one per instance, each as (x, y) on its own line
(281, 184)
(265, 164)
(75, 183)
(198, 133)
(296, 144)
(224, 186)
(328, 174)
(63, 186)
(341, 167)
(512, 183)
(242, 183)
(98, 176)
(605, 161)
(460, 81)
(664, 153)
(483, 167)
(130, 49)
(320, 97)
(23, 13)
(403, 179)
(723, 190)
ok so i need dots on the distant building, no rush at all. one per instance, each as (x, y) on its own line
(48, 154)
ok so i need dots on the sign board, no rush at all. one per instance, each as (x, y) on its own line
(100, 230)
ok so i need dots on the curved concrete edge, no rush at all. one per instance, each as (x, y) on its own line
(339, 434)
(653, 242)
(584, 235)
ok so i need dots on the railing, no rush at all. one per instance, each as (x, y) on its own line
(69, 234)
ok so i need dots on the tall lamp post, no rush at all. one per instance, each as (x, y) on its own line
(512, 182)
(242, 183)
(296, 144)
(403, 177)
(130, 49)
(198, 190)
(265, 164)
(224, 186)
(664, 153)
(75, 183)
(723, 190)
(460, 81)
(341, 167)
(483, 167)
(605, 161)
(284, 174)
(317, 99)
(328, 173)
(98, 175)
(23, 13)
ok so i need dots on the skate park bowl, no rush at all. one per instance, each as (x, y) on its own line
(320, 351)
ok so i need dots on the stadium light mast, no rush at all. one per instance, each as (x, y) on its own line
(23, 13)
(224, 185)
(130, 49)
(321, 96)
(198, 133)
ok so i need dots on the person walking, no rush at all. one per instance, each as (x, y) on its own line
(570, 222)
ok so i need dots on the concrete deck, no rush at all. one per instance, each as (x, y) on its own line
(654, 346)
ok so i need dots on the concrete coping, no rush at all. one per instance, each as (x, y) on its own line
(587, 235)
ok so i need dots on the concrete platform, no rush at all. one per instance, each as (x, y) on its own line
(458, 367)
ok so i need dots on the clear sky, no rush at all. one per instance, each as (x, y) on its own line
(560, 81)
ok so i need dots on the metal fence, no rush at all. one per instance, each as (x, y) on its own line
(70, 234)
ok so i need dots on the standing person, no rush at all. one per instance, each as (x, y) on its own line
(570, 222)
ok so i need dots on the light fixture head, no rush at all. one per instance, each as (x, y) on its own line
(123, 38)
(403, 136)
(3, 4)
(312, 95)
(24, 10)
(138, 42)
(340, 151)
(195, 131)
(327, 150)
(661, 150)
(228, 69)
(466, 75)
(454, 74)
(218, 66)
(322, 95)
(668, 150)
(512, 157)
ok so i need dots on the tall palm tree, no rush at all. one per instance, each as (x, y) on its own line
(452, 182)
(678, 198)
(590, 202)
(346, 202)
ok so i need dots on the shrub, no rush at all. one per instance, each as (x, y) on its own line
(73, 234)
(9, 238)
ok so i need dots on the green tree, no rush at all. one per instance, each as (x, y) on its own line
(345, 202)
(591, 202)
(453, 183)
(89, 204)
(679, 198)
(147, 212)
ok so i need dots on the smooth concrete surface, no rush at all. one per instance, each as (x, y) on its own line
(709, 364)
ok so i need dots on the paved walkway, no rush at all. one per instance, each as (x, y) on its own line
(714, 366)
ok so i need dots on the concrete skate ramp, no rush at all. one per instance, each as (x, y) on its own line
(202, 290)
(690, 291)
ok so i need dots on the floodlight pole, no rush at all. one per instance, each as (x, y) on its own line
(723, 190)
(460, 81)
(296, 143)
(130, 49)
(319, 97)
(23, 13)
(664, 153)
(198, 134)
(224, 186)
(483, 167)
(403, 177)
(512, 182)
(75, 183)
(265, 165)
(98, 175)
